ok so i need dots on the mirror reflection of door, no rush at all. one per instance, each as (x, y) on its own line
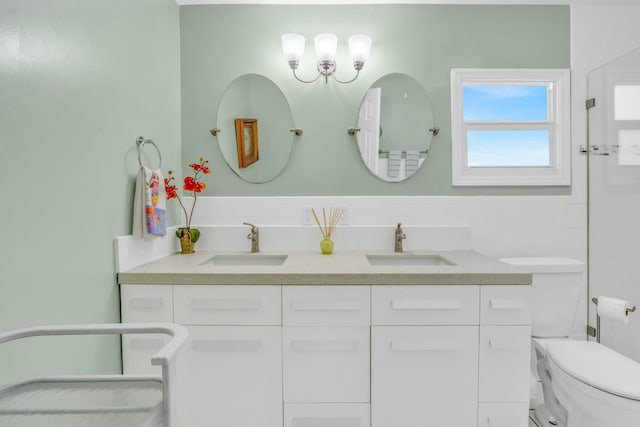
(395, 121)
(369, 125)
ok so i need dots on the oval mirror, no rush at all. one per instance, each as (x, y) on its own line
(395, 123)
(254, 120)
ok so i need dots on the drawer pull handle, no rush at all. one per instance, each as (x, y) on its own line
(426, 304)
(326, 305)
(324, 346)
(146, 303)
(506, 304)
(225, 304)
(227, 346)
(326, 422)
(504, 421)
(399, 345)
(146, 343)
(503, 344)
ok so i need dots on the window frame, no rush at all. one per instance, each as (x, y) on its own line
(558, 124)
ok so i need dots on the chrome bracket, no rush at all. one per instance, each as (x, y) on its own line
(434, 131)
(590, 103)
(352, 131)
(297, 131)
(599, 150)
(215, 131)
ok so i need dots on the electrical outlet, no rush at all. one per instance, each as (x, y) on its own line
(345, 215)
(306, 216)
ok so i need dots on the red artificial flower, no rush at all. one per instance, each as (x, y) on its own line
(169, 189)
(191, 184)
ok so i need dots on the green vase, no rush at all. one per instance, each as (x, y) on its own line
(188, 237)
(326, 246)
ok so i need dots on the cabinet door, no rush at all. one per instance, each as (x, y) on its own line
(424, 376)
(139, 304)
(231, 376)
(326, 364)
(505, 353)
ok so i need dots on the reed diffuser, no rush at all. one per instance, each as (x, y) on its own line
(326, 228)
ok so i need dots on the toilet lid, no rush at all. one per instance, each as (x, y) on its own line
(598, 366)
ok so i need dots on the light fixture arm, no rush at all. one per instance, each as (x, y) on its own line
(294, 67)
(347, 81)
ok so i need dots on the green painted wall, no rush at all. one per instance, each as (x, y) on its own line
(221, 42)
(80, 80)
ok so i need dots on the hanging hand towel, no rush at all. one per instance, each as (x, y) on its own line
(411, 162)
(149, 206)
(393, 163)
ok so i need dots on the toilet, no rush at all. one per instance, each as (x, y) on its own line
(584, 384)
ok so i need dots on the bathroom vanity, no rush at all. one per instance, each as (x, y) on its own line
(354, 339)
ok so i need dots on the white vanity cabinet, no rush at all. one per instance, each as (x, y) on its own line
(342, 356)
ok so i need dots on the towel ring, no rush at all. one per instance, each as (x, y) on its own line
(140, 141)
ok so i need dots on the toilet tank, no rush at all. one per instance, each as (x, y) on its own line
(555, 292)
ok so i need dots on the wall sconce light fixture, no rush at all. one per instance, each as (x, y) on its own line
(326, 47)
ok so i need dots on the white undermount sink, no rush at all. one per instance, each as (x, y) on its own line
(246, 260)
(408, 260)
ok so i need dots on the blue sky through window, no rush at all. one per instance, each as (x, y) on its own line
(508, 148)
(506, 103)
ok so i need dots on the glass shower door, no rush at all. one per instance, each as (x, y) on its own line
(613, 163)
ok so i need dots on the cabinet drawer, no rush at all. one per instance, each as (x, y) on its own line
(326, 305)
(505, 305)
(424, 376)
(146, 303)
(503, 415)
(230, 376)
(504, 363)
(326, 415)
(325, 364)
(227, 305)
(424, 305)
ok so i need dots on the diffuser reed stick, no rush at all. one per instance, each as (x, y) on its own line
(326, 228)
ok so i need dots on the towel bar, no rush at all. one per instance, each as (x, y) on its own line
(140, 141)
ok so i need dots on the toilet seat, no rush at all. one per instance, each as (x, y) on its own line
(597, 366)
(541, 343)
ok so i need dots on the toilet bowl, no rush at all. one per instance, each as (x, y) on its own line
(597, 386)
(584, 384)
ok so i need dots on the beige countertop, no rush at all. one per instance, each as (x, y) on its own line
(313, 268)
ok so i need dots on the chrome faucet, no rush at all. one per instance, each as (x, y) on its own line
(254, 236)
(399, 237)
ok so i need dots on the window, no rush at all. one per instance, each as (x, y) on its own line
(510, 127)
